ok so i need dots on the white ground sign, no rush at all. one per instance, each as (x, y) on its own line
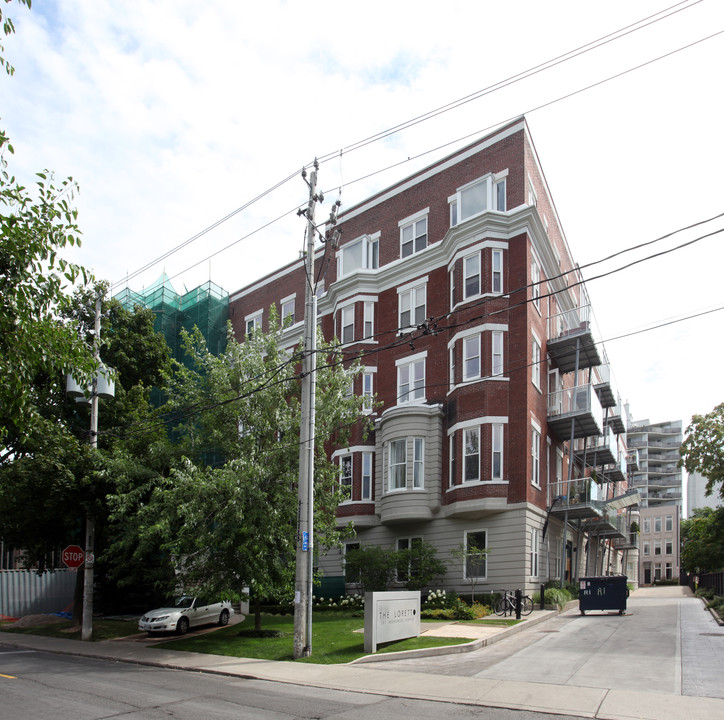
(390, 616)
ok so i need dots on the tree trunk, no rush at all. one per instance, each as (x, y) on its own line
(257, 614)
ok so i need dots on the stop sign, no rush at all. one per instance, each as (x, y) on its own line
(73, 556)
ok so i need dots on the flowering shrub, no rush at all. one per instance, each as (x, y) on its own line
(438, 599)
(348, 602)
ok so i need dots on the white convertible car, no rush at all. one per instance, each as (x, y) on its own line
(186, 612)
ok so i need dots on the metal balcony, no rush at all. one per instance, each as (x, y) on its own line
(600, 451)
(575, 412)
(580, 498)
(570, 340)
(616, 418)
(609, 524)
(602, 384)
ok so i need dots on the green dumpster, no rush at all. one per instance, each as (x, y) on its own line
(603, 593)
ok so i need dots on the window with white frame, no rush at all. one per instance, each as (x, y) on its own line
(535, 283)
(410, 380)
(647, 525)
(532, 197)
(253, 323)
(403, 571)
(288, 310)
(486, 193)
(471, 272)
(452, 367)
(497, 271)
(453, 469)
(471, 454)
(559, 465)
(347, 315)
(471, 357)
(345, 474)
(535, 363)
(476, 543)
(535, 456)
(657, 524)
(366, 489)
(647, 547)
(398, 464)
(657, 571)
(497, 343)
(418, 464)
(497, 447)
(669, 570)
(412, 306)
(413, 235)
(369, 320)
(657, 547)
(669, 523)
(360, 254)
(534, 548)
(368, 392)
(669, 547)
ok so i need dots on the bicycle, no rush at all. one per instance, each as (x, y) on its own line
(506, 604)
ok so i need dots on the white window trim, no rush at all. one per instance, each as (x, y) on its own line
(369, 398)
(478, 479)
(534, 553)
(368, 316)
(409, 220)
(421, 484)
(495, 428)
(410, 289)
(346, 310)
(410, 360)
(367, 241)
(535, 454)
(370, 455)
(497, 334)
(256, 318)
(391, 489)
(465, 545)
(467, 298)
(536, 363)
(478, 338)
(496, 252)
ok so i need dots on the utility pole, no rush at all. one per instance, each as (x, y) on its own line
(90, 521)
(305, 504)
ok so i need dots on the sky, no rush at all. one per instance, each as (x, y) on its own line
(186, 126)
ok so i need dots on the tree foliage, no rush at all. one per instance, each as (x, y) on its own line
(227, 513)
(703, 448)
(702, 536)
(8, 29)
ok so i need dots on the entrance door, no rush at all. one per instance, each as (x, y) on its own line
(647, 575)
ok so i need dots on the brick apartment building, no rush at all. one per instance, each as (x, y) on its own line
(493, 400)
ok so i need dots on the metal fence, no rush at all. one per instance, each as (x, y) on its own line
(24, 592)
(713, 581)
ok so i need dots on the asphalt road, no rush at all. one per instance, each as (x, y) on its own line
(45, 686)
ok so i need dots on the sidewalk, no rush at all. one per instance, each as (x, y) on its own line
(594, 702)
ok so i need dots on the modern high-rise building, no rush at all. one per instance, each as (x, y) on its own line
(659, 478)
(696, 496)
(496, 423)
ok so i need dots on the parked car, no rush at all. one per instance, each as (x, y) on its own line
(186, 612)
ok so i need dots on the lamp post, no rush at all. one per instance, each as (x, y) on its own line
(101, 386)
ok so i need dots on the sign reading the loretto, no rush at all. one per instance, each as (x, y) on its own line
(390, 616)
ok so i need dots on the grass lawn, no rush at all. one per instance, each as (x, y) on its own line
(102, 629)
(334, 640)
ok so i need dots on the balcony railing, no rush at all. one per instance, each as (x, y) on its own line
(575, 410)
(580, 497)
(570, 340)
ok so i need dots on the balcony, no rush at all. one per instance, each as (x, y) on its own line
(603, 385)
(629, 542)
(632, 461)
(616, 418)
(609, 525)
(575, 412)
(570, 340)
(602, 450)
(580, 498)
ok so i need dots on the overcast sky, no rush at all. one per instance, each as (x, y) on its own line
(173, 114)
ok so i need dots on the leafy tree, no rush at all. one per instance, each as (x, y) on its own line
(372, 567)
(471, 557)
(702, 536)
(8, 29)
(703, 448)
(227, 514)
(420, 564)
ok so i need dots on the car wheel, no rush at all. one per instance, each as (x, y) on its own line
(224, 618)
(182, 626)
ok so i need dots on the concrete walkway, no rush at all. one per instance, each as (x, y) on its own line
(570, 675)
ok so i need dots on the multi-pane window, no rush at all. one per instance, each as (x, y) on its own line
(453, 462)
(669, 523)
(403, 571)
(452, 367)
(366, 490)
(497, 270)
(488, 193)
(669, 570)
(471, 454)
(369, 320)
(411, 381)
(497, 339)
(669, 547)
(657, 547)
(471, 357)
(360, 254)
(535, 283)
(253, 323)
(413, 237)
(348, 324)
(475, 554)
(471, 272)
(398, 464)
(647, 525)
(413, 306)
(647, 547)
(368, 390)
(534, 547)
(418, 465)
(345, 474)
(657, 524)
(497, 466)
(288, 311)
(535, 363)
(535, 456)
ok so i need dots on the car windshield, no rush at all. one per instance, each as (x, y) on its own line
(183, 602)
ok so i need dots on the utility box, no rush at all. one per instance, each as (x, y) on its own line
(603, 593)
